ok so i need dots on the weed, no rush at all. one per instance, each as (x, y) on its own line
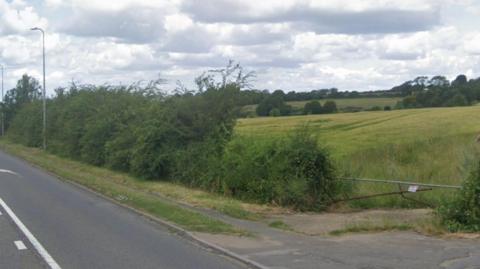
(278, 224)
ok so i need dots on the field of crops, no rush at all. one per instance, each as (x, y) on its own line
(431, 145)
(343, 103)
(364, 103)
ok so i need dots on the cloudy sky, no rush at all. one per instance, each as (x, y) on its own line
(290, 44)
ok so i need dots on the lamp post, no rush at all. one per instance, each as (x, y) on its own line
(43, 90)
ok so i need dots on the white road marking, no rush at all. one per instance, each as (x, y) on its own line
(9, 172)
(20, 245)
(40, 249)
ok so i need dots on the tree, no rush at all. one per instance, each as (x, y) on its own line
(409, 102)
(457, 100)
(420, 81)
(26, 91)
(271, 102)
(439, 81)
(275, 112)
(330, 107)
(460, 80)
(220, 78)
(312, 107)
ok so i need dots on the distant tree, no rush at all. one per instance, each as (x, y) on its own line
(387, 108)
(232, 74)
(26, 91)
(420, 81)
(459, 80)
(274, 112)
(375, 108)
(457, 100)
(439, 81)
(271, 102)
(329, 107)
(279, 93)
(312, 107)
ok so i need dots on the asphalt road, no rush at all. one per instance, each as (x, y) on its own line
(78, 229)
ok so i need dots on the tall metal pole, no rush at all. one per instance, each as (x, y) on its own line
(43, 90)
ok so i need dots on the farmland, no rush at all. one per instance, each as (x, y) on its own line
(427, 145)
(343, 103)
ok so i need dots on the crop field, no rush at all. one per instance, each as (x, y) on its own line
(354, 102)
(432, 145)
(342, 103)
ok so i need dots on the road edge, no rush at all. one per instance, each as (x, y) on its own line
(176, 229)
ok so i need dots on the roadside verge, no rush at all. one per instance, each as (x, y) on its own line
(179, 220)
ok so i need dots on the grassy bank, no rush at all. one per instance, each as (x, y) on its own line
(136, 193)
(426, 145)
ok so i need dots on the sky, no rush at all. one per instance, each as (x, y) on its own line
(291, 44)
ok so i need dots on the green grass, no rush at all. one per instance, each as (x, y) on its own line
(129, 191)
(364, 227)
(342, 103)
(233, 209)
(426, 145)
(278, 224)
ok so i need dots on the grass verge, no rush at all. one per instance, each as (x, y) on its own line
(278, 224)
(122, 188)
(431, 226)
(363, 227)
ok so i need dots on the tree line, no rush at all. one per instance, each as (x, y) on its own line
(439, 92)
(422, 91)
(185, 136)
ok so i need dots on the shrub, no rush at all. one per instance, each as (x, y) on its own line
(463, 212)
(26, 127)
(374, 108)
(274, 112)
(312, 107)
(271, 102)
(292, 171)
(330, 107)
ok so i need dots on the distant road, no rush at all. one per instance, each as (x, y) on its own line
(73, 228)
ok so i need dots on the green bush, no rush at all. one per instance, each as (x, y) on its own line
(293, 171)
(463, 212)
(274, 112)
(184, 137)
(26, 127)
(330, 107)
(312, 107)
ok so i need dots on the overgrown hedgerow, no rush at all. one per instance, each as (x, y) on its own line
(291, 171)
(184, 137)
(463, 212)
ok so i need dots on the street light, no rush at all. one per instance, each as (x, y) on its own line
(43, 91)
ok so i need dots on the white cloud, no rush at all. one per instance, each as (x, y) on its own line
(292, 44)
(18, 17)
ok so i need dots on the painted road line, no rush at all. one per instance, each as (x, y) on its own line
(20, 245)
(40, 249)
(9, 172)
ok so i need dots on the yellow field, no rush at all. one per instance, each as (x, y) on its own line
(429, 145)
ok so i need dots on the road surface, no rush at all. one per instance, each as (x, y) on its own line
(47, 223)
